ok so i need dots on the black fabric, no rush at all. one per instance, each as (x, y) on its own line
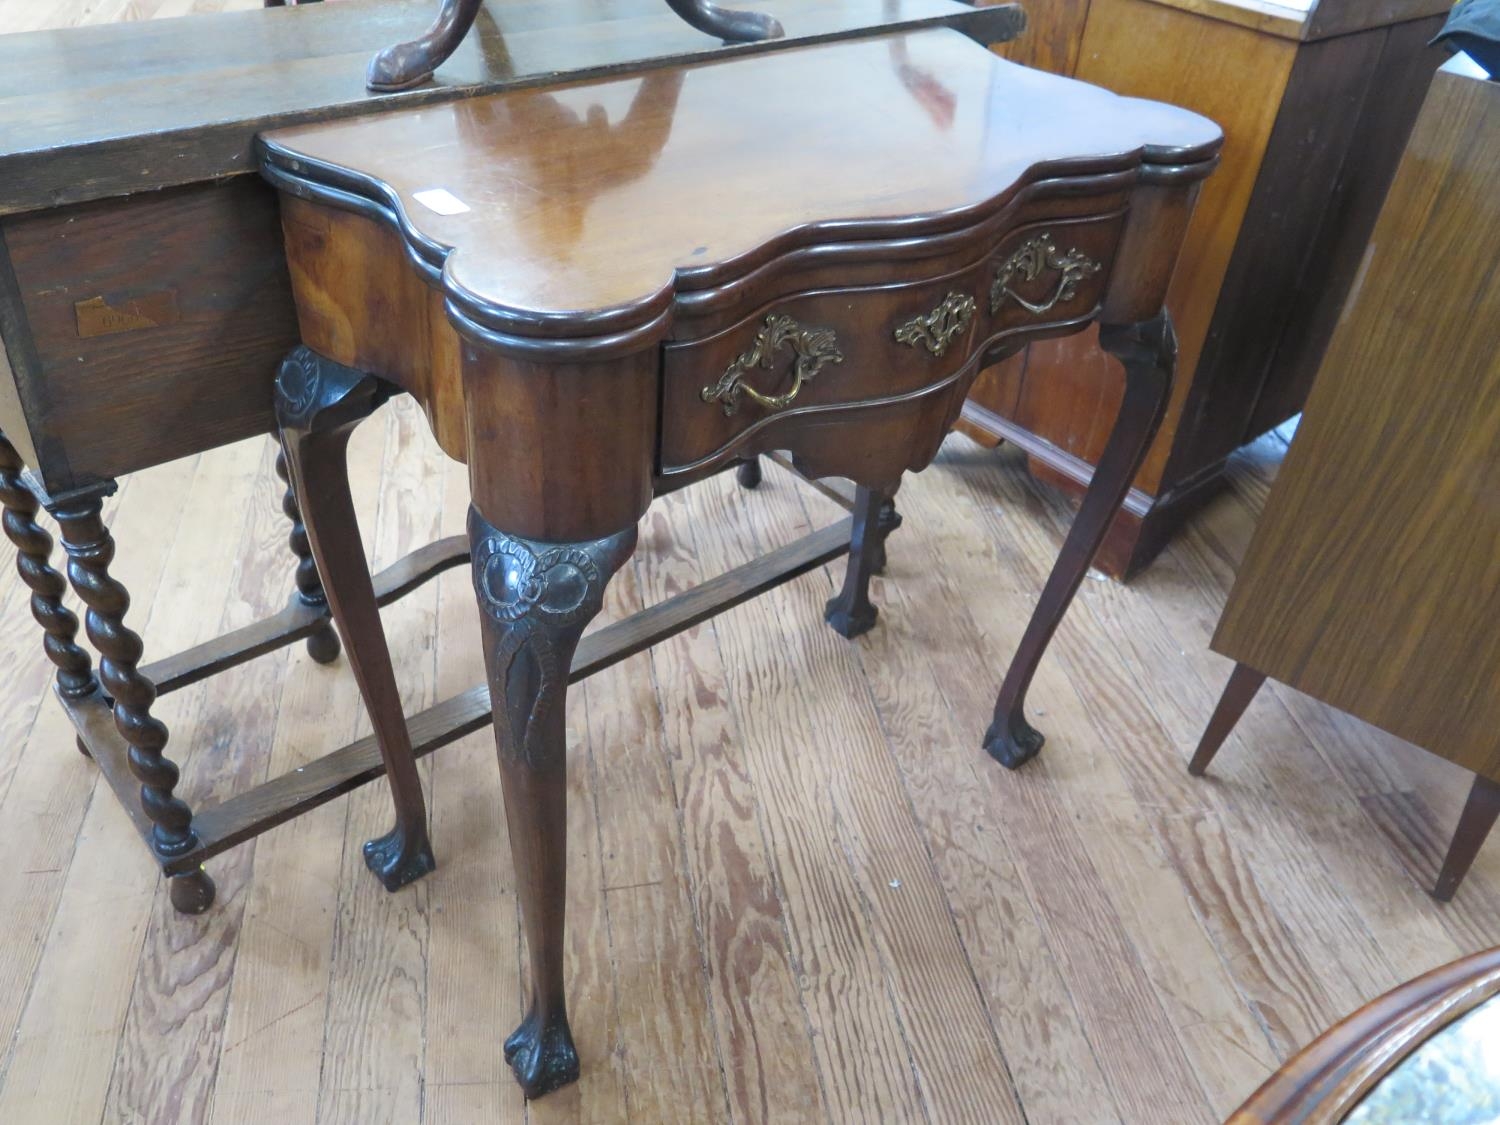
(1474, 28)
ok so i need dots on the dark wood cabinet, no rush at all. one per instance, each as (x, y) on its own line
(1316, 107)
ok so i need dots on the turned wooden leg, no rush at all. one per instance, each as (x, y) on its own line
(318, 405)
(75, 671)
(1479, 816)
(412, 63)
(323, 645)
(1149, 352)
(851, 613)
(535, 600)
(90, 550)
(747, 472)
(1243, 684)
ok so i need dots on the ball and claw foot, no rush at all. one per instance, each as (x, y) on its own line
(323, 644)
(542, 1058)
(395, 864)
(1013, 741)
(192, 893)
(850, 623)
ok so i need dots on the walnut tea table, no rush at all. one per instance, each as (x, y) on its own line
(145, 306)
(604, 291)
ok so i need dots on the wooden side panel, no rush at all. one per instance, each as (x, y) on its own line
(1314, 135)
(17, 363)
(1401, 79)
(158, 323)
(1228, 73)
(1053, 36)
(1373, 581)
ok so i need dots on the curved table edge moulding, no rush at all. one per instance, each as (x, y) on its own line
(607, 332)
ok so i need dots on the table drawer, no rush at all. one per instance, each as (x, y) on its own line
(819, 351)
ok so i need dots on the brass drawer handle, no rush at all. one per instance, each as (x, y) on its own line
(813, 347)
(1028, 263)
(941, 326)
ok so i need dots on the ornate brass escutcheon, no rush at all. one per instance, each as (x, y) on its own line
(813, 347)
(941, 326)
(1035, 256)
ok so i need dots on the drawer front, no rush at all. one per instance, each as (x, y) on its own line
(729, 394)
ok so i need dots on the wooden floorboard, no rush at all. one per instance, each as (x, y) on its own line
(798, 891)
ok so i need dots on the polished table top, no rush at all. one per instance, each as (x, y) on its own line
(587, 209)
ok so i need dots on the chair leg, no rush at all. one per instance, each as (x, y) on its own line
(318, 405)
(1479, 816)
(1243, 684)
(1148, 351)
(410, 64)
(535, 600)
(851, 613)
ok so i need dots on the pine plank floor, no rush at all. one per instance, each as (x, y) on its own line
(798, 891)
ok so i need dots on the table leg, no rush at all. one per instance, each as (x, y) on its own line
(318, 405)
(535, 600)
(1244, 682)
(851, 613)
(1480, 813)
(75, 671)
(91, 549)
(1148, 351)
(323, 644)
(747, 472)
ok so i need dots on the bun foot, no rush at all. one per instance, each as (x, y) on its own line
(1013, 741)
(542, 1055)
(323, 645)
(397, 862)
(850, 623)
(192, 893)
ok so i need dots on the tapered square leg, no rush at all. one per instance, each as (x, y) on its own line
(1243, 684)
(1479, 816)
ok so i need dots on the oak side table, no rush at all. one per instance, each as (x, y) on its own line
(604, 291)
(1373, 580)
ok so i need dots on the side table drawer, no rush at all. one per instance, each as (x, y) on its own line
(833, 349)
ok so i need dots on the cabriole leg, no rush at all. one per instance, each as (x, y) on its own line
(318, 405)
(1148, 351)
(75, 672)
(535, 600)
(323, 644)
(851, 612)
(90, 551)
